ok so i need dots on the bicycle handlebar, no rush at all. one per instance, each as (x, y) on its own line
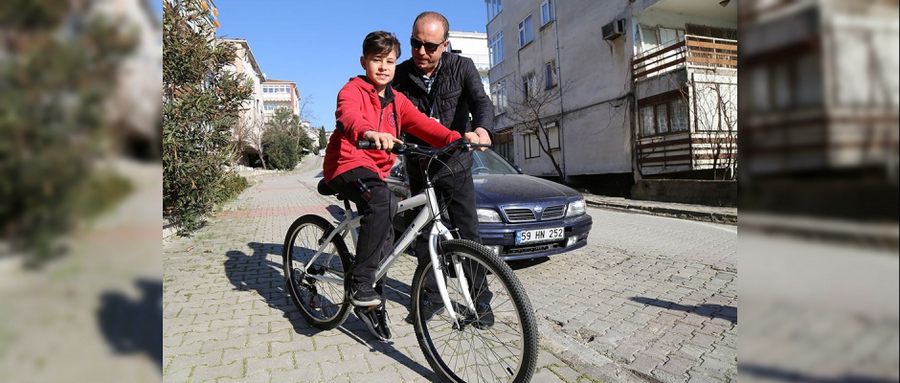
(406, 148)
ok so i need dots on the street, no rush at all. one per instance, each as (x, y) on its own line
(649, 299)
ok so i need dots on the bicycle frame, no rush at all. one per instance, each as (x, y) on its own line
(438, 231)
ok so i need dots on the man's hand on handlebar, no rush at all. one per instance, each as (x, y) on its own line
(385, 141)
(479, 136)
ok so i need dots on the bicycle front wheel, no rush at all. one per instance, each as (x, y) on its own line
(317, 285)
(496, 342)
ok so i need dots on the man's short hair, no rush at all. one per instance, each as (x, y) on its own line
(380, 43)
(434, 15)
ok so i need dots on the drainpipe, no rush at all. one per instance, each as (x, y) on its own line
(562, 135)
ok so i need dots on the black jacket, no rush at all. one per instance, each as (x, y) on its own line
(456, 92)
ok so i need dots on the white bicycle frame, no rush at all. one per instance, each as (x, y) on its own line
(438, 231)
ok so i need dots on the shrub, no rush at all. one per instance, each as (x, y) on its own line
(201, 104)
(54, 82)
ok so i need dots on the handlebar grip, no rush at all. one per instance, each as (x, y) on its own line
(365, 144)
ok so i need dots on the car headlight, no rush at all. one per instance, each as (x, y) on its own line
(575, 208)
(488, 215)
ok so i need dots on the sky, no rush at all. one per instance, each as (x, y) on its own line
(317, 44)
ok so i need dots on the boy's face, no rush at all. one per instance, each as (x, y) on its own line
(380, 68)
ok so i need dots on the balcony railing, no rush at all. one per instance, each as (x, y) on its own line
(695, 51)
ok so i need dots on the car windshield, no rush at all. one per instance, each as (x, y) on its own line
(488, 162)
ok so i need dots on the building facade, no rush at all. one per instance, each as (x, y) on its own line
(474, 46)
(821, 109)
(249, 129)
(645, 87)
(280, 94)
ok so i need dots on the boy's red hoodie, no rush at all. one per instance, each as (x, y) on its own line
(358, 111)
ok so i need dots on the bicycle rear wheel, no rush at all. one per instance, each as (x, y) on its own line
(503, 350)
(324, 304)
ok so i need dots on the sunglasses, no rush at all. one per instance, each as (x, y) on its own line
(429, 47)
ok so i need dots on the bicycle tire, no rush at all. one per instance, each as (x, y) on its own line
(305, 290)
(502, 274)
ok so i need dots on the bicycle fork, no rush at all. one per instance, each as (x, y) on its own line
(438, 232)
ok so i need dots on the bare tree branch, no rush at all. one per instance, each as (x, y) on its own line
(532, 108)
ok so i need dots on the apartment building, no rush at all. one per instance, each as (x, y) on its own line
(820, 109)
(644, 87)
(249, 129)
(474, 46)
(208, 14)
(280, 94)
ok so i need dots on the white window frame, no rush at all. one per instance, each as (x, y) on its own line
(526, 31)
(553, 134)
(494, 7)
(499, 96)
(531, 145)
(547, 14)
(496, 49)
(550, 77)
(527, 86)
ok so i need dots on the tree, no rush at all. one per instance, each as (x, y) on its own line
(716, 117)
(58, 66)
(323, 140)
(532, 109)
(283, 139)
(201, 104)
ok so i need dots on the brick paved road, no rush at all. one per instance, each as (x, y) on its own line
(649, 299)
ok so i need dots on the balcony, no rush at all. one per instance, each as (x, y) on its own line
(691, 51)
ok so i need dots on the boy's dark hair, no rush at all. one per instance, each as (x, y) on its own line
(380, 43)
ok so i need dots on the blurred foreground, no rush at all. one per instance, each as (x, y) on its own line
(818, 265)
(94, 315)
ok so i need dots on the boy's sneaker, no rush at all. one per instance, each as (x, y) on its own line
(377, 320)
(365, 296)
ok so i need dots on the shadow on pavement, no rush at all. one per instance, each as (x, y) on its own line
(728, 313)
(778, 374)
(256, 273)
(516, 265)
(134, 326)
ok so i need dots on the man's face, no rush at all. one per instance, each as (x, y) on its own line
(427, 44)
(380, 68)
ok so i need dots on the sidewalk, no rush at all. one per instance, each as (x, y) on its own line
(725, 215)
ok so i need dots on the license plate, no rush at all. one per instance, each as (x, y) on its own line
(542, 235)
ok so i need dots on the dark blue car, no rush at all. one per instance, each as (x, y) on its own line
(520, 216)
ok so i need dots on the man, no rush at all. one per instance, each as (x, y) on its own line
(447, 87)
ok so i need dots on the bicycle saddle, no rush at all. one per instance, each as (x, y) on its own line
(324, 189)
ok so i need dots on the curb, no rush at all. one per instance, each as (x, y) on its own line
(674, 212)
(862, 234)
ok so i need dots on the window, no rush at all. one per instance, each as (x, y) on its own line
(669, 115)
(271, 107)
(526, 85)
(546, 12)
(532, 146)
(498, 95)
(647, 125)
(526, 34)
(679, 118)
(662, 119)
(496, 48)
(550, 74)
(503, 145)
(494, 7)
(553, 134)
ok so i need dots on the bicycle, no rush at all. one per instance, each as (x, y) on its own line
(458, 345)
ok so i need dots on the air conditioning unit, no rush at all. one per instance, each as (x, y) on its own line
(614, 29)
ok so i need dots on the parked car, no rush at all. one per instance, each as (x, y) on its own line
(520, 216)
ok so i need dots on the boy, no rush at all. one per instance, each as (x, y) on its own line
(367, 109)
